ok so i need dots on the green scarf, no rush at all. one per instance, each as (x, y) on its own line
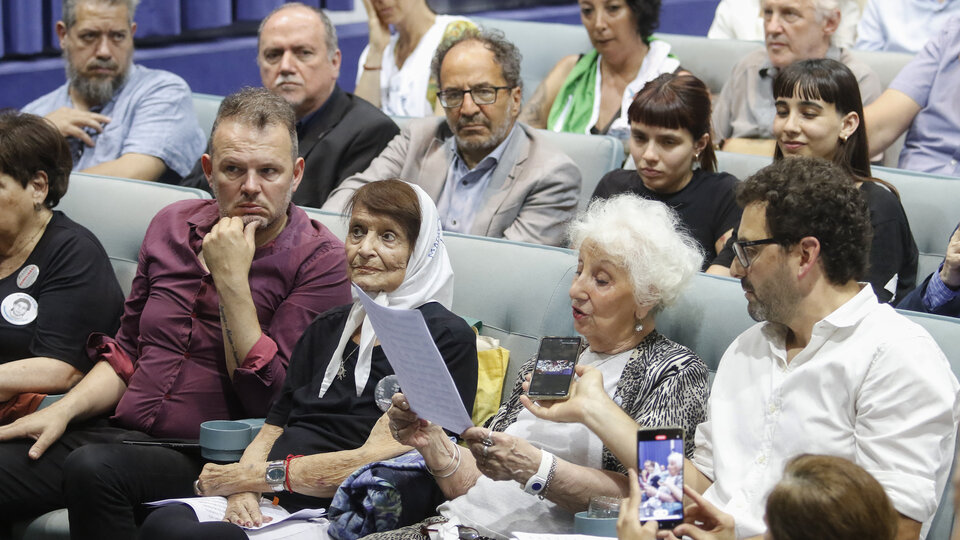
(574, 103)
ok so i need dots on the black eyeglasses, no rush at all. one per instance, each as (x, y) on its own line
(463, 532)
(482, 95)
(746, 255)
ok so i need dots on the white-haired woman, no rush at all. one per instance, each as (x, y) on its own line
(634, 258)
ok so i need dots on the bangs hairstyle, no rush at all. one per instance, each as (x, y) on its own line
(677, 102)
(394, 199)
(644, 237)
(831, 82)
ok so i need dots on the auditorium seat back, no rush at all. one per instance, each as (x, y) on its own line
(595, 156)
(118, 211)
(206, 106)
(932, 204)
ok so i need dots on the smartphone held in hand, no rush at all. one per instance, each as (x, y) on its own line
(553, 371)
(660, 458)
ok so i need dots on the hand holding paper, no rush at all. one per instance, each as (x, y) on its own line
(423, 375)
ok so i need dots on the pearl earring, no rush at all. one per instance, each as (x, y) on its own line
(638, 327)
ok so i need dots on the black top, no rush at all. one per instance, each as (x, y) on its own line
(71, 290)
(340, 420)
(892, 252)
(706, 204)
(339, 140)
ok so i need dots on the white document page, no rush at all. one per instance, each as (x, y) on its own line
(423, 376)
(213, 508)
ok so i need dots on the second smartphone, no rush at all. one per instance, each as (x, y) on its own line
(660, 458)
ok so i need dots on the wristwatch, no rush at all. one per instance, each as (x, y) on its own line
(276, 474)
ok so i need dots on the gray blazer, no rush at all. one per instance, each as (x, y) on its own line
(532, 194)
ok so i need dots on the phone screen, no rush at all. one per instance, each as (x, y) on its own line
(660, 458)
(554, 368)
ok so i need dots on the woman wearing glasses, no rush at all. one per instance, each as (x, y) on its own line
(819, 114)
(590, 93)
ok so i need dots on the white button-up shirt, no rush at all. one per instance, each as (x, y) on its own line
(870, 386)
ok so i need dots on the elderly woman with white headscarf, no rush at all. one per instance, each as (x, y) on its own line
(524, 474)
(326, 422)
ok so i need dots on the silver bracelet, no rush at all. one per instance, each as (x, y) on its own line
(454, 458)
(546, 485)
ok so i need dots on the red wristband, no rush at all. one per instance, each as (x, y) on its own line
(286, 470)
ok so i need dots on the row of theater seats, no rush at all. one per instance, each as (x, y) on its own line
(518, 291)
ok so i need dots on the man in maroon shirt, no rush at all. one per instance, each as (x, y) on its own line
(222, 293)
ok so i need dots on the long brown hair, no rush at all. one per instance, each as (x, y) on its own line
(832, 82)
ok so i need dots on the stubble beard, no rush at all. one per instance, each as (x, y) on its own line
(779, 305)
(490, 143)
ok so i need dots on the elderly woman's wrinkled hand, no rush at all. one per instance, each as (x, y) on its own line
(628, 522)
(502, 457)
(224, 480)
(586, 394)
(405, 426)
(243, 509)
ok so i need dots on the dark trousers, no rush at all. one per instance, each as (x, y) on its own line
(101, 481)
(179, 522)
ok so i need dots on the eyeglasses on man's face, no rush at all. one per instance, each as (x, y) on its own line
(482, 95)
(746, 252)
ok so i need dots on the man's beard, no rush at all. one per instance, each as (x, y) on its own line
(777, 301)
(490, 143)
(94, 91)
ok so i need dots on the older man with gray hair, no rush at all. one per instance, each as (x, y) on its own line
(793, 30)
(223, 291)
(489, 175)
(339, 133)
(120, 119)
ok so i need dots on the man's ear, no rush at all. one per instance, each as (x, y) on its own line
(809, 251)
(516, 95)
(831, 22)
(206, 163)
(61, 29)
(298, 167)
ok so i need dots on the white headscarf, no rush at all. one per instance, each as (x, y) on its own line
(428, 278)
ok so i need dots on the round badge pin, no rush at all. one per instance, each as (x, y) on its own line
(19, 309)
(28, 276)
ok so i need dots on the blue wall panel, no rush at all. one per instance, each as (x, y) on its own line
(197, 14)
(23, 26)
(158, 18)
(254, 10)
